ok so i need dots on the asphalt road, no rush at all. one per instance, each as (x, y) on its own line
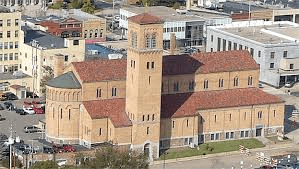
(17, 123)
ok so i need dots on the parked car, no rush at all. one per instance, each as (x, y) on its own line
(31, 129)
(28, 110)
(61, 162)
(38, 110)
(31, 95)
(261, 85)
(48, 149)
(2, 97)
(58, 148)
(20, 111)
(9, 105)
(11, 96)
(289, 84)
(1, 118)
(69, 148)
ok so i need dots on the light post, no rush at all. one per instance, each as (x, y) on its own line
(164, 164)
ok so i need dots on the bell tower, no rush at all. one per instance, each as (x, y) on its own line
(143, 83)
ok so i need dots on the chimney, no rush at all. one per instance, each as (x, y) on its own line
(58, 64)
(172, 43)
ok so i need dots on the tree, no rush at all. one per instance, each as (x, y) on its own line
(75, 4)
(57, 5)
(48, 75)
(88, 7)
(111, 157)
(49, 164)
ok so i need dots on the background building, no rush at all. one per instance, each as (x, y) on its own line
(274, 46)
(188, 27)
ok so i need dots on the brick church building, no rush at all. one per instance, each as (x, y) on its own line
(148, 102)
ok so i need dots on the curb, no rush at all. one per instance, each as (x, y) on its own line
(252, 151)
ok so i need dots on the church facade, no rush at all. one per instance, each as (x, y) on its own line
(148, 102)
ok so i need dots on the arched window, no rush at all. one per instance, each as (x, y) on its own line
(221, 82)
(187, 123)
(133, 39)
(150, 41)
(85, 34)
(153, 118)
(96, 33)
(250, 82)
(148, 117)
(206, 84)
(99, 93)
(90, 34)
(236, 81)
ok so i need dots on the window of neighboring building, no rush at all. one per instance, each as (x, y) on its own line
(143, 118)
(76, 42)
(16, 22)
(10, 45)
(218, 44)
(187, 123)
(235, 46)
(206, 84)
(230, 117)
(99, 93)
(271, 65)
(215, 136)
(153, 117)
(229, 47)
(212, 38)
(1, 23)
(8, 34)
(173, 124)
(8, 22)
(153, 65)
(100, 131)
(252, 51)
(285, 54)
(246, 133)
(211, 49)
(61, 113)
(11, 56)
(236, 81)
(69, 114)
(1, 57)
(1, 34)
(242, 134)
(260, 114)
(272, 54)
(176, 86)
(114, 91)
(148, 117)
(250, 81)
(147, 65)
(246, 47)
(244, 115)
(224, 45)
(274, 113)
(215, 117)
(5, 57)
(90, 34)
(16, 56)
(259, 53)
(16, 44)
(96, 33)
(229, 135)
(291, 66)
(149, 80)
(66, 58)
(221, 82)
(240, 47)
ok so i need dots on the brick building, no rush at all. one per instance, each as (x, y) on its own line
(150, 102)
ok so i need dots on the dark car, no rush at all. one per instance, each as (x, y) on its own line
(31, 95)
(11, 96)
(8, 105)
(58, 148)
(48, 149)
(20, 111)
(31, 129)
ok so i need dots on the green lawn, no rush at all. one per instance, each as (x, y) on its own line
(275, 140)
(214, 147)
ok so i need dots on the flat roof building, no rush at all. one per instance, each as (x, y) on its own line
(273, 45)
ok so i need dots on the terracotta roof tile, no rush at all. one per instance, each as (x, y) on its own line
(186, 104)
(101, 70)
(111, 108)
(224, 61)
(145, 18)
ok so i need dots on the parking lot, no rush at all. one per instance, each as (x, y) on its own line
(14, 124)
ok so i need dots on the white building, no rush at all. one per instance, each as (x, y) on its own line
(273, 45)
(189, 27)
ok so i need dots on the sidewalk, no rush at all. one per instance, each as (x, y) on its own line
(252, 151)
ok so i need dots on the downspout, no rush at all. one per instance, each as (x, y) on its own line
(107, 89)
(228, 80)
(251, 121)
(107, 126)
(268, 118)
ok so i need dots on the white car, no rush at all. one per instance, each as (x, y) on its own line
(61, 162)
(28, 110)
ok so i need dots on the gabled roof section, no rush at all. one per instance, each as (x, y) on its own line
(70, 20)
(146, 18)
(67, 81)
(225, 61)
(187, 104)
(114, 109)
(101, 70)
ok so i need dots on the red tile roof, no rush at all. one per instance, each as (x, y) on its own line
(186, 104)
(211, 62)
(101, 70)
(145, 18)
(111, 108)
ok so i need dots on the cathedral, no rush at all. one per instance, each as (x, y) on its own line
(149, 102)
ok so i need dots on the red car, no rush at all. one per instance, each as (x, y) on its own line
(38, 110)
(69, 148)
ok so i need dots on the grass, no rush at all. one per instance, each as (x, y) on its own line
(212, 148)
